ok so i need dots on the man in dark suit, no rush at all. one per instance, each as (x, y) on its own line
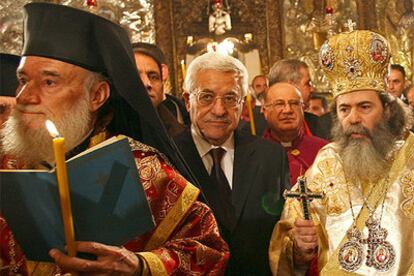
(154, 72)
(242, 177)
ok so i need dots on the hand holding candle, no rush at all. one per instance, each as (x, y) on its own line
(62, 178)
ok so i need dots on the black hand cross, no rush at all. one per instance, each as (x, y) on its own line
(304, 196)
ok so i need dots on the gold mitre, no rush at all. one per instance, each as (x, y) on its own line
(355, 60)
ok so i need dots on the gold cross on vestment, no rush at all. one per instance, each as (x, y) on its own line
(303, 195)
(350, 25)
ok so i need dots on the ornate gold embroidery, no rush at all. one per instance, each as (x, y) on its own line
(155, 264)
(149, 169)
(136, 145)
(173, 218)
(41, 268)
(333, 184)
(407, 189)
(411, 271)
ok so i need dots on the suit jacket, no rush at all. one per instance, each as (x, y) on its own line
(175, 105)
(259, 121)
(319, 126)
(326, 123)
(260, 175)
(170, 122)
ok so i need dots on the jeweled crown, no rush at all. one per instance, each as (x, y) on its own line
(355, 60)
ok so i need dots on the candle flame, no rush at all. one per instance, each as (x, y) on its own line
(52, 129)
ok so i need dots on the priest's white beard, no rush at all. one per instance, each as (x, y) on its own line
(364, 159)
(32, 146)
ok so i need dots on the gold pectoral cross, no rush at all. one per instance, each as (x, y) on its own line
(380, 253)
(303, 195)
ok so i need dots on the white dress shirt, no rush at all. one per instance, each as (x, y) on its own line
(203, 148)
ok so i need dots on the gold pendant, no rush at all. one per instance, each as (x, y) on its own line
(381, 254)
(351, 253)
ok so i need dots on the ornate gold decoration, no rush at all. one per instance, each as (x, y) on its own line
(136, 16)
(407, 189)
(149, 168)
(137, 145)
(334, 184)
(396, 23)
(11, 26)
(155, 264)
(219, 20)
(174, 217)
(307, 24)
(355, 60)
(189, 24)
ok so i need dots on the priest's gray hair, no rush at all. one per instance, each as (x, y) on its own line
(219, 62)
(286, 70)
(93, 78)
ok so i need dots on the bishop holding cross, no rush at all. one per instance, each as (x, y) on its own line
(364, 222)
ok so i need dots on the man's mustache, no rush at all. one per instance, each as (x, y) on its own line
(217, 119)
(28, 108)
(287, 117)
(357, 129)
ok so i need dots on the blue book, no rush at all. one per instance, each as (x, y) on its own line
(108, 201)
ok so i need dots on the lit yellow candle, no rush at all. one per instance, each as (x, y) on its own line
(250, 111)
(64, 194)
(183, 69)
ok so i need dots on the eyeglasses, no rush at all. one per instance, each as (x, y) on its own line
(208, 98)
(280, 104)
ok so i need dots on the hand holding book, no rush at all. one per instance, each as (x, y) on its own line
(109, 204)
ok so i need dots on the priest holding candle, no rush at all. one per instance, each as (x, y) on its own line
(91, 91)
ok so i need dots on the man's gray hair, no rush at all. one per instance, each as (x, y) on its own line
(219, 62)
(286, 70)
(92, 78)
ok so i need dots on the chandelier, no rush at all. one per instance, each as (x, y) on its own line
(136, 16)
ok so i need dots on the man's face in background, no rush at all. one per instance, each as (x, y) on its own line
(259, 86)
(150, 74)
(316, 107)
(395, 83)
(305, 85)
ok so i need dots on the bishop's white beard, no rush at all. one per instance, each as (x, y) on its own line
(364, 159)
(32, 146)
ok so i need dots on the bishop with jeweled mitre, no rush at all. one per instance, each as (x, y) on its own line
(364, 225)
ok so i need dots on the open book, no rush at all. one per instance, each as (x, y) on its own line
(108, 202)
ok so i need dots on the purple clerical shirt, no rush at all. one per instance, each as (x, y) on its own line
(301, 152)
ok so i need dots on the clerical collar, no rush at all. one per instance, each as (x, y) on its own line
(290, 144)
(286, 144)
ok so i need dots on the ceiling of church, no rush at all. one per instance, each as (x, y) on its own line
(136, 16)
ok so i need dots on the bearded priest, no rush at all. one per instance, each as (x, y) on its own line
(364, 225)
(78, 70)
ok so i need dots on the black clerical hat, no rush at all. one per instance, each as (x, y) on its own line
(97, 44)
(8, 80)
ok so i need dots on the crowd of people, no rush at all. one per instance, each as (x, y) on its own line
(217, 190)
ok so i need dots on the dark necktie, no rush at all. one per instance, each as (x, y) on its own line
(223, 187)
